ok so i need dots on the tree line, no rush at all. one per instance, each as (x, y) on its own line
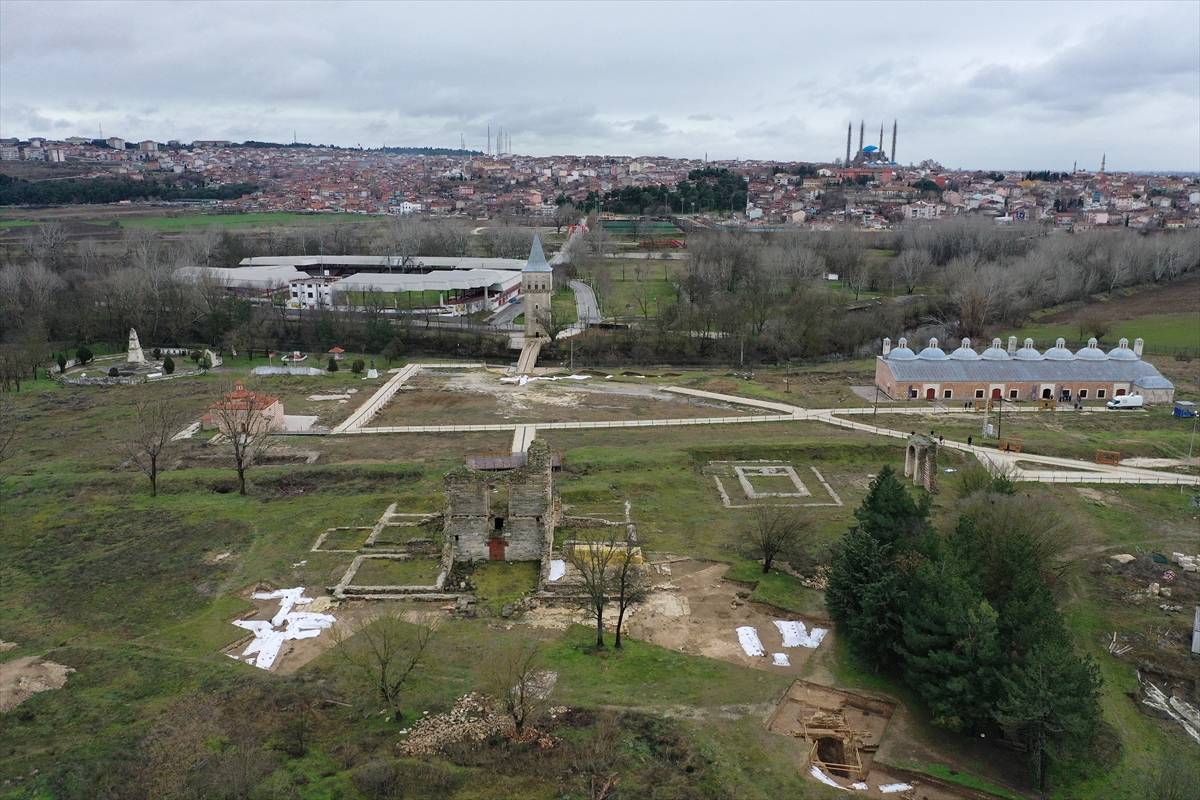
(18, 192)
(767, 297)
(707, 189)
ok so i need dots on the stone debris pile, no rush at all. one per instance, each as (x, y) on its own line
(472, 719)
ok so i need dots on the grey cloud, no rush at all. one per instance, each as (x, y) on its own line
(971, 84)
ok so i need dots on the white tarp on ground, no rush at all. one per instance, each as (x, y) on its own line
(862, 787)
(780, 659)
(558, 568)
(269, 635)
(888, 788)
(524, 379)
(795, 634)
(825, 779)
(748, 637)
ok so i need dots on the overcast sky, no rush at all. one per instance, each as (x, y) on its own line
(1007, 85)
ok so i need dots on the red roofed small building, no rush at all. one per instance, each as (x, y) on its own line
(245, 411)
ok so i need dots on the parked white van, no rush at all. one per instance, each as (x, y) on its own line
(1126, 401)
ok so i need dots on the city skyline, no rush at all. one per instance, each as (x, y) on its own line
(974, 86)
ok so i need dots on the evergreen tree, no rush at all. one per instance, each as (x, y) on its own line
(865, 596)
(949, 646)
(1051, 701)
(889, 513)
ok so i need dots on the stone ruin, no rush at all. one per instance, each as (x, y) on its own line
(921, 461)
(520, 529)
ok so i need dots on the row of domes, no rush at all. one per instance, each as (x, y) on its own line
(1027, 353)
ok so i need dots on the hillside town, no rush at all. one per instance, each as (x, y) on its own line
(864, 190)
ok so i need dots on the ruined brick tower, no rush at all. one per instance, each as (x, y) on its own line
(518, 527)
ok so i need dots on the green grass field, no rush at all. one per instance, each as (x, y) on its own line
(125, 588)
(252, 220)
(1166, 330)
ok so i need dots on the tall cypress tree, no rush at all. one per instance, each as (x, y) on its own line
(1051, 699)
(889, 513)
(950, 646)
(865, 596)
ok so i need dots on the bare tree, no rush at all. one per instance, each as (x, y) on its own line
(910, 267)
(593, 557)
(631, 587)
(772, 530)
(385, 651)
(147, 442)
(243, 417)
(8, 437)
(1095, 322)
(565, 214)
(514, 676)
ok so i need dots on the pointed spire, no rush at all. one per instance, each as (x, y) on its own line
(537, 259)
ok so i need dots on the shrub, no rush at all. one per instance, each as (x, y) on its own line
(168, 365)
(157, 354)
(196, 355)
(358, 366)
(113, 372)
(62, 363)
(333, 367)
(84, 354)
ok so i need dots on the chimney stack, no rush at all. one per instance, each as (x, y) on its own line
(887, 346)
(1012, 345)
(1138, 344)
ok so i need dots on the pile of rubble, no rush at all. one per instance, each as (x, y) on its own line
(1186, 563)
(473, 719)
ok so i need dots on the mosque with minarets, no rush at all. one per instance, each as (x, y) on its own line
(1019, 373)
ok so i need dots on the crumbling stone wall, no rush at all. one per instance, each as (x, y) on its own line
(475, 531)
(921, 461)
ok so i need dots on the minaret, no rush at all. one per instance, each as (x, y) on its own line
(893, 153)
(849, 132)
(881, 141)
(1103, 158)
(537, 284)
(862, 131)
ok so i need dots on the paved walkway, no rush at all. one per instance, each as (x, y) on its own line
(1059, 470)
(364, 413)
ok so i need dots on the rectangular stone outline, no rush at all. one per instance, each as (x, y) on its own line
(725, 501)
(788, 471)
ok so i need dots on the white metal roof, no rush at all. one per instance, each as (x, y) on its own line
(439, 281)
(383, 262)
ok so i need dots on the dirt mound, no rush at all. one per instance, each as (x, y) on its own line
(24, 677)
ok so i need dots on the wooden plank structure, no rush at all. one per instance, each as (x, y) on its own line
(1110, 457)
(1010, 445)
(1048, 405)
(817, 724)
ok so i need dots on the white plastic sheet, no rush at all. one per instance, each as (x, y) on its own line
(795, 634)
(748, 637)
(269, 635)
(825, 779)
(895, 787)
(780, 660)
(558, 568)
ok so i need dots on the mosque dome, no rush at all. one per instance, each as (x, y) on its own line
(1092, 352)
(901, 352)
(1060, 352)
(964, 352)
(1028, 352)
(995, 353)
(870, 148)
(933, 352)
(1122, 352)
